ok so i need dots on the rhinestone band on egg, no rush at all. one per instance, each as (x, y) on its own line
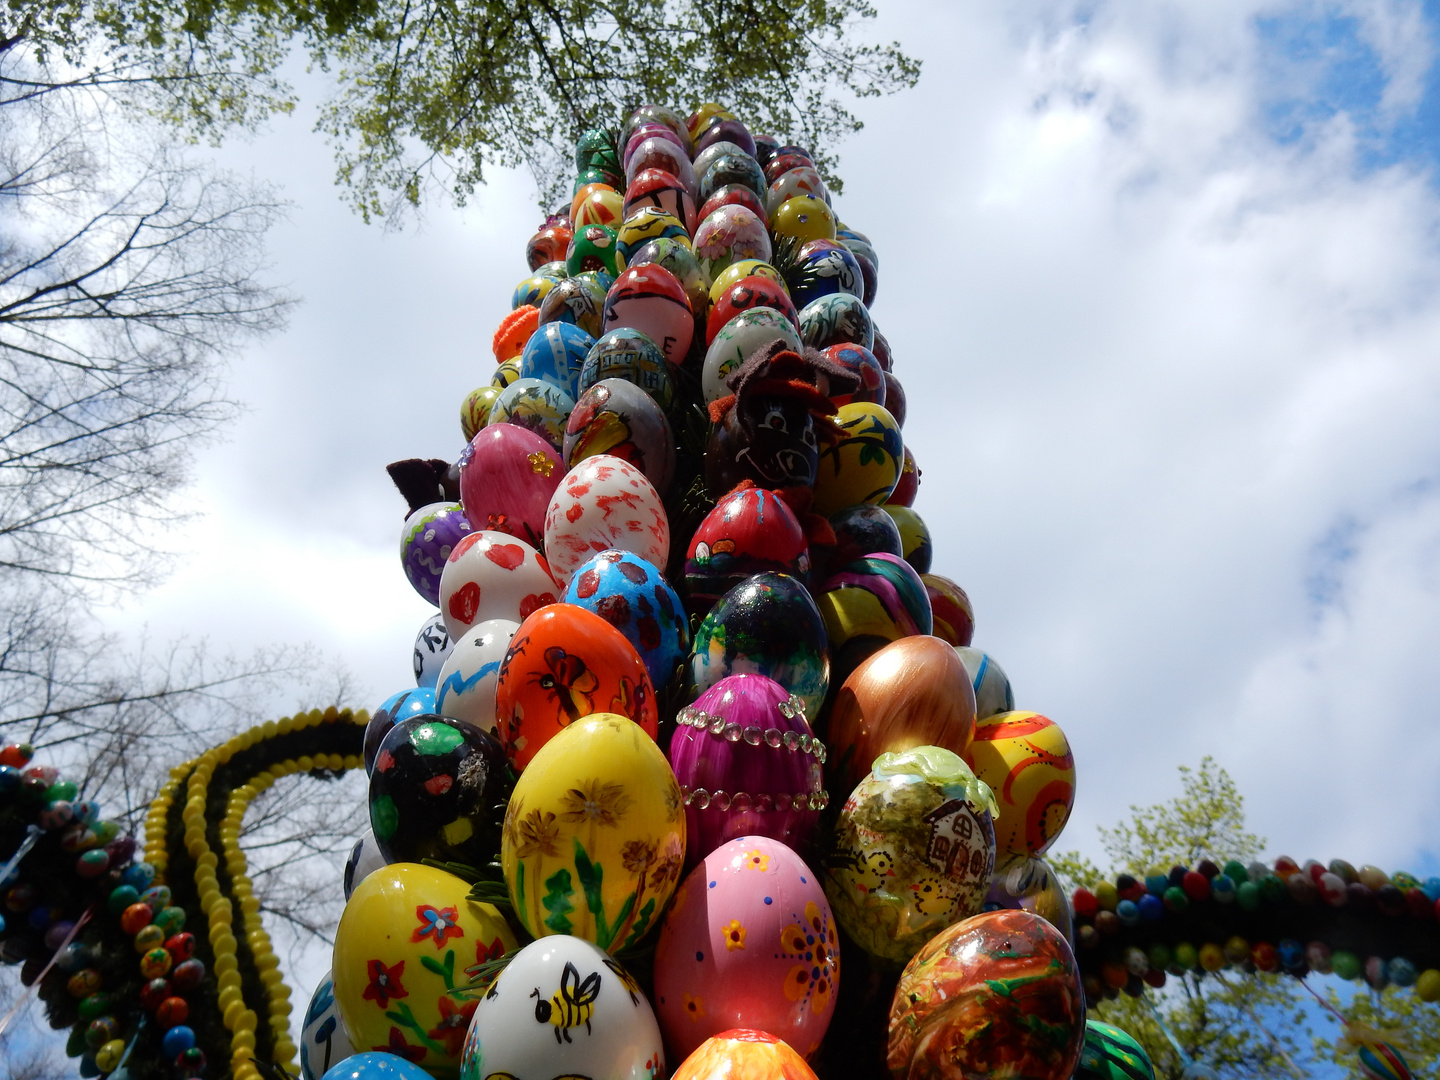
(754, 735)
(721, 800)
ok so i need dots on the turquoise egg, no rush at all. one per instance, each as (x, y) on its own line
(631, 595)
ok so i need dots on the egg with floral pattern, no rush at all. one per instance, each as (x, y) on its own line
(604, 502)
(749, 942)
(492, 575)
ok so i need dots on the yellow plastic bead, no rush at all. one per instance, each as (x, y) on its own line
(230, 978)
(226, 963)
(267, 963)
(233, 1011)
(227, 995)
(353, 761)
(286, 726)
(1427, 987)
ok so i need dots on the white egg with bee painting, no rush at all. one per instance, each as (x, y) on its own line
(563, 1007)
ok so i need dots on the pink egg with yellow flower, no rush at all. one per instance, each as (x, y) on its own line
(749, 942)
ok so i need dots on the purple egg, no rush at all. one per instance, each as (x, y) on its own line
(429, 535)
(748, 765)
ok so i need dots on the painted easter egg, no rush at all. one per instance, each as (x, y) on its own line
(823, 267)
(1026, 759)
(1381, 1061)
(863, 530)
(432, 649)
(657, 152)
(989, 681)
(466, 687)
(642, 225)
(785, 159)
(746, 294)
(634, 597)
(879, 596)
(913, 692)
(530, 291)
(563, 1008)
(547, 245)
(861, 363)
(475, 409)
(1028, 883)
(728, 234)
(749, 942)
(802, 219)
(748, 532)
(837, 319)
(597, 204)
(435, 790)
(727, 169)
(739, 339)
(747, 763)
(860, 461)
(323, 1040)
(733, 195)
(429, 536)
(657, 189)
(593, 248)
(802, 180)
(628, 354)
(536, 406)
(576, 300)
(914, 537)
(505, 374)
(725, 129)
(507, 476)
(493, 575)
(368, 1065)
(650, 299)
(397, 919)
(565, 662)
(1111, 1053)
(744, 1054)
(602, 503)
(732, 274)
(678, 257)
(364, 860)
(594, 834)
(555, 353)
(617, 418)
(954, 616)
(993, 995)
(914, 850)
(766, 625)
(703, 159)
(397, 707)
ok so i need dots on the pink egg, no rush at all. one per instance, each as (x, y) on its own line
(507, 475)
(748, 764)
(603, 503)
(658, 152)
(643, 134)
(749, 942)
(493, 575)
(650, 299)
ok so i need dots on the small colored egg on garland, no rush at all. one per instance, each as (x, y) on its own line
(860, 461)
(187, 976)
(397, 707)
(617, 418)
(430, 534)
(749, 532)
(748, 764)
(564, 663)
(953, 614)
(650, 299)
(1026, 759)
(604, 502)
(492, 575)
(727, 235)
(593, 248)
(914, 851)
(434, 792)
(861, 362)
(737, 340)
(475, 409)
(989, 681)
(642, 225)
(914, 537)
(733, 195)
(633, 596)
(555, 353)
(744, 1052)
(108, 1055)
(576, 301)
(801, 180)
(432, 648)
(594, 835)
(465, 690)
(660, 190)
(535, 406)
(878, 596)
(626, 353)
(766, 625)
(837, 319)
(913, 692)
(746, 294)
(508, 473)
(749, 942)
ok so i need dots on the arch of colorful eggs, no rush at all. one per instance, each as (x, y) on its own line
(701, 774)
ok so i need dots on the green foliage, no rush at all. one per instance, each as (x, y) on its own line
(437, 90)
(1396, 1010)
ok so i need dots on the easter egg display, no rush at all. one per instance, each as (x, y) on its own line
(1026, 760)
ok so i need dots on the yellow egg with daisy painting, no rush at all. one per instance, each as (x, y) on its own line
(594, 835)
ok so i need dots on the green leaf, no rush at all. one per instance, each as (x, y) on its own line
(557, 901)
(642, 923)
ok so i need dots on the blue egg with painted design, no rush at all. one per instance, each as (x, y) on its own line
(555, 354)
(323, 1039)
(633, 596)
(465, 689)
(397, 707)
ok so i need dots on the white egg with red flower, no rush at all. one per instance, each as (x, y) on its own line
(602, 503)
(492, 575)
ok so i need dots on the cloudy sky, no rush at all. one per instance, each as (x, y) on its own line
(1161, 283)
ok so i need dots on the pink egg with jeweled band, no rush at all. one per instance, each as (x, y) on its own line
(603, 503)
(748, 764)
(749, 942)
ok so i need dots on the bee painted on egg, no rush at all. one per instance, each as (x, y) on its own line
(570, 1006)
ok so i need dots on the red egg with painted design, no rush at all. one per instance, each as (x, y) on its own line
(649, 298)
(749, 532)
(749, 292)
(954, 617)
(493, 575)
(565, 662)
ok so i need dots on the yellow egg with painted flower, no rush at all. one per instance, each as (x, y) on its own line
(594, 835)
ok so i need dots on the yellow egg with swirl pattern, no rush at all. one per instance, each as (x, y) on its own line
(594, 836)
(861, 461)
(1026, 760)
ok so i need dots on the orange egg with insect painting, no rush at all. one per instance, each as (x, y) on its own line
(565, 662)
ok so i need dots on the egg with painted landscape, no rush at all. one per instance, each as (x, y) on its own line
(430, 534)
(878, 596)
(323, 1039)
(859, 461)
(914, 850)
(466, 687)
(555, 353)
(563, 1008)
(397, 919)
(564, 663)
(1026, 759)
(617, 418)
(493, 575)
(954, 615)
(436, 792)
(747, 763)
(997, 994)
(536, 406)
(739, 339)
(627, 353)
(650, 299)
(595, 834)
(993, 693)
(634, 597)
(749, 942)
(432, 649)
(766, 625)
(507, 475)
(748, 532)
(602, 503)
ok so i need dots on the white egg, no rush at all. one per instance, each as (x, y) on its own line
(323, 1039)
(432, 649)
(493, 575)
(465, 689)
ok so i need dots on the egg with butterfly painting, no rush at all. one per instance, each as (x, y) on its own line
(632, 596)
(564, 663)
